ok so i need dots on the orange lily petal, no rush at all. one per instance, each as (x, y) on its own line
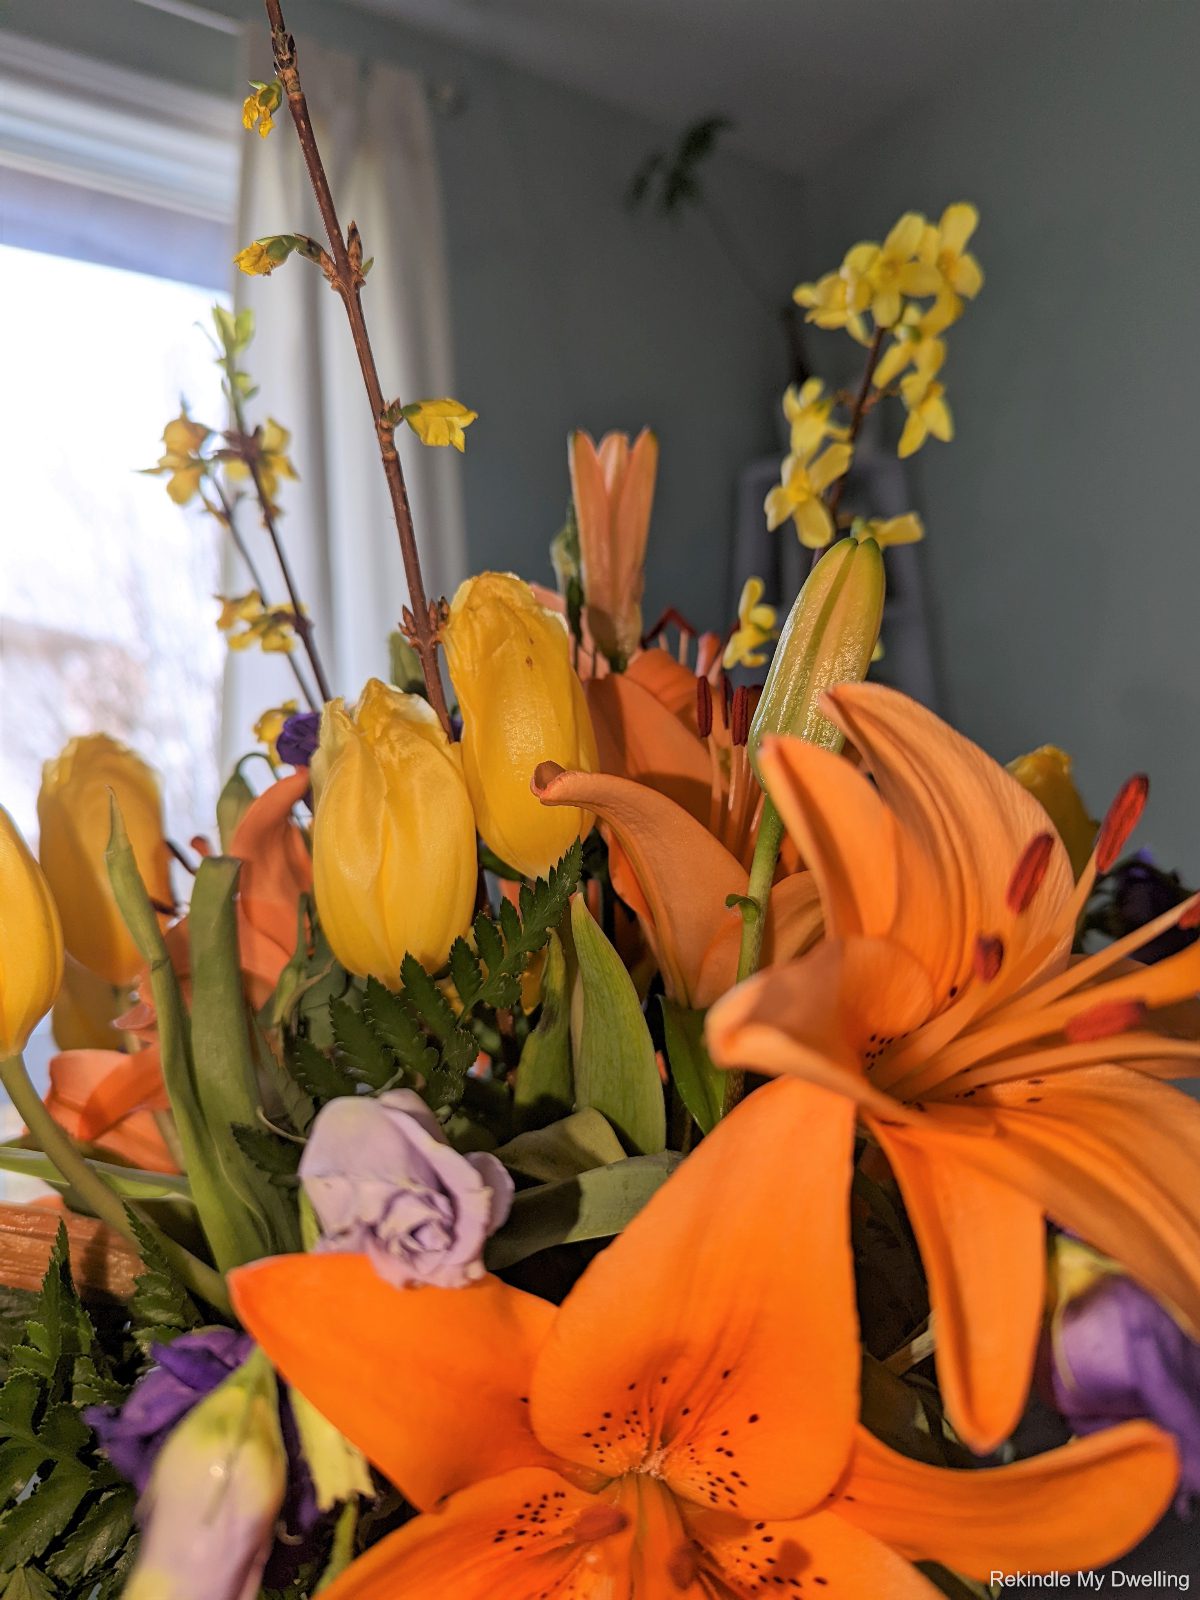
(511, 1537)
(693, 1339)
(1078, 1507)
(969, 822)
(824, 1551)
(793, 924)
(668, 680)
(983, 1244)
(478, 1342)
(1115, 1157)
(101, 1087)
(276, 871)
(810, 1018)
(638, 737)
(846, 835)
(684, 874)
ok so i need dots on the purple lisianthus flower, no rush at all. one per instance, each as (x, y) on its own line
(1142, 891)
(298, 738)
(186, 1370)
(383, 1178)
(1117, 1356)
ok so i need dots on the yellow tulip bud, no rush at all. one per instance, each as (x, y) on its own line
(394, 863)
(522, 704)
(1046, 773)
(828, 639)
(83, 1013)
(75, 818)
(31, 945)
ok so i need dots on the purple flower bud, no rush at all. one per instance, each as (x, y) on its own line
(382, 1178)
(1118, 1355)
(187, 1370)
(298, 738)
(1140, 892)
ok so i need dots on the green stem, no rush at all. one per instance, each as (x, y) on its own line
(754, 916)
(92, 1189)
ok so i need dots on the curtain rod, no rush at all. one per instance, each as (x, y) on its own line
(200, 15)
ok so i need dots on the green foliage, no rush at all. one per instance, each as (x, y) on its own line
(415, 1035)
(700, 1084)
(66, 1527)
(161, 1308)
(675, 173)
(275, 1157)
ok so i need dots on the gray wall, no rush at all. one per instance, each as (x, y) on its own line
(1064, 539)
(567, 310)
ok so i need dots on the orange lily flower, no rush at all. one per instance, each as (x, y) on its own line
(613, 487)
(684, 1425)
(108, 1099)
(1004, 1082)
(276, 871)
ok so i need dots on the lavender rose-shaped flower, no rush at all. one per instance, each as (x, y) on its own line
(383, 1179)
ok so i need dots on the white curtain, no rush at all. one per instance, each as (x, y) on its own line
(373, 126)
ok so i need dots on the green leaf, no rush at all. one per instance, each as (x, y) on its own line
(275, 1157)
(701, 1085)
(161, 1308)
(564, 1149)
(257, 1219)
(465, 972)
(131, 1182)
(615, 1067)
(365, 1054)
(232, 804)
(396, 1024)
(29, 1526)
(593, 1205)
(313, 1070)
(27, 1583)
(98, 1538)
(545, 1088)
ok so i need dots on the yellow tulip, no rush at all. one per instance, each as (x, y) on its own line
(31, 942)
(84, 1009)
(1046, 773)
(394, 863)
(521, 704)
(74, 815)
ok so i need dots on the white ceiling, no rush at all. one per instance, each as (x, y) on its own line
(798, 77)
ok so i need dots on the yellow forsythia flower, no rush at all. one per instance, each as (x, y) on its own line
(522, 704)
(808, 409)
(271, 628)
(878, 277)
(270, 725)
(273, 461)
(907, 529)
(829, 305)
(259, 108)
(256, 260)
(1046, 773)
(925, 399)
(180, 459)
(439, 421)
(75, 819)
(31, 942)
(945, 247)
(799, 493)
(756, 627)
(394, 859)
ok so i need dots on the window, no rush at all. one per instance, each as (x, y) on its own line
(117, 196)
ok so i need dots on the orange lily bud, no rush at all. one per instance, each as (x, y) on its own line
(522, 704)
(31, 945)
(1046, 773)
(75, 819)
(613, 487)
(828, 639)
(394, 864)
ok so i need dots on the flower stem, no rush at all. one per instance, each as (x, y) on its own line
(347, 279)
(857, 414)
(754, 916)
(75, 1169)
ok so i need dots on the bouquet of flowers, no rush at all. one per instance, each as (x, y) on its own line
(600, 1131)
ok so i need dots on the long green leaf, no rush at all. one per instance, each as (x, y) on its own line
(224, 1066)
(576, 1144)
(131, 1182)
(615, 1067)
(701, 1085)
(544, 1089)
(593, 1205)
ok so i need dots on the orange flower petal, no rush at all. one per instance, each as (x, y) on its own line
(793, 924)
(821, 1017)
(524, 1533)
(696, 1335)
(818, 1555)
(638, 737)
(467, 1417)
(982, 1244)
(683, 872)
(99, 1088)
(1078, 1507)
(667, 680)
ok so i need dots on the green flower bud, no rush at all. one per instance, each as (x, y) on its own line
(829, 638)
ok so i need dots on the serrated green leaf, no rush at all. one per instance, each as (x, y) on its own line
(27, 1583)
(422, 993)
(465, 972)
(395, 1023)
(365, 1054)
(544, 1090)
(612, 1054)
(488, 941)
(701, 1085)
(594, 1205)
(98, 1538)
(161, 1308)
(316, 1073)
(273, 1156)
(32, 1524)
